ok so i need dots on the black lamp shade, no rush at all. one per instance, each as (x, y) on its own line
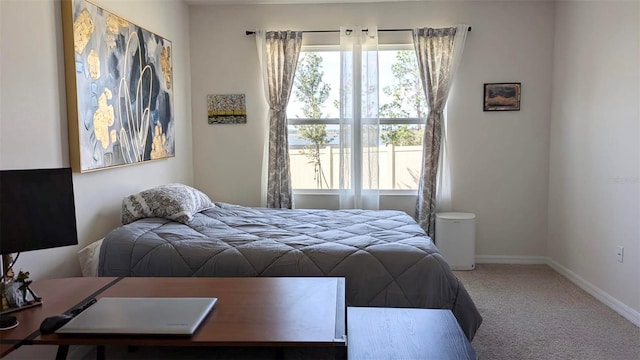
(37, 210)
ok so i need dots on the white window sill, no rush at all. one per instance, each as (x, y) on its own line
(337, 192)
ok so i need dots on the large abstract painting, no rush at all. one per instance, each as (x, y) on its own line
(119, 89)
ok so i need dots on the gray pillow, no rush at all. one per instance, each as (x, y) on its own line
(175, 202)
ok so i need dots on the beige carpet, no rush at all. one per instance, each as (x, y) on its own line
(532, 312)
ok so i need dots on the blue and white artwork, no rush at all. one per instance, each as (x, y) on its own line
(119, 89)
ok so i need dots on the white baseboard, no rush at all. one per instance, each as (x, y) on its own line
(615, 304)
(497, 259)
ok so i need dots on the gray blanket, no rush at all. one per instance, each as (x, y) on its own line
(385, 256)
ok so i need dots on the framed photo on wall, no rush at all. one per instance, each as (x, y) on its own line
(502, 97)
(227, 109)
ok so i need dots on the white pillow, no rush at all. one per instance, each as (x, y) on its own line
(89, 257)
(175, 202)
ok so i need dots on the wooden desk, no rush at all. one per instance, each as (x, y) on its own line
(274, 312)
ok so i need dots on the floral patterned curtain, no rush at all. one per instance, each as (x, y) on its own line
(278, 52)
(439, 52)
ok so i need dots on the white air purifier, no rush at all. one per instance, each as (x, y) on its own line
(456, 239)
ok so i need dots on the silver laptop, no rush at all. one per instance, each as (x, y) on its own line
(144, 316)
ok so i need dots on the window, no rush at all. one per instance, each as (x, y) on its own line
(313, 114)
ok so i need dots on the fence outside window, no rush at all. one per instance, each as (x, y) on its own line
(398, 167)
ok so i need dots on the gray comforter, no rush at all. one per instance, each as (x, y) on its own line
(385, 256)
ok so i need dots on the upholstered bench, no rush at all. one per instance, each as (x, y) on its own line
(402, 333)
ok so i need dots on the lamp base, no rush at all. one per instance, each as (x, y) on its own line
(8, 322)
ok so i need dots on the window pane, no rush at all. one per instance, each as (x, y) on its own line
(314, 154)
(314, 148)
(316, 87)
(401, 94)
(400, 156)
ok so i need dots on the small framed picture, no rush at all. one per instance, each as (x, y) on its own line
(226, 109)
(502, 97)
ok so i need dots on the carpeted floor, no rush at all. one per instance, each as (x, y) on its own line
(532, 312)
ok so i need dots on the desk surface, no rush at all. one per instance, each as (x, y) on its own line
(59, 295)
(249, 311)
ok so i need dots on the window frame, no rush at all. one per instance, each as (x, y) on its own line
(336, 121)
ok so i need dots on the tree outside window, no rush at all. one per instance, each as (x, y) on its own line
(406, 100)
(313, 119)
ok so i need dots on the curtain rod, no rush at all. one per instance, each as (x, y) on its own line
(249, 32)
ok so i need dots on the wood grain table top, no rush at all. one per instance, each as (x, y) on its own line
(283, 311)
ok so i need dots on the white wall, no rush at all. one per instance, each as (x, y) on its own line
(500, 159)
(594, 186)
(33, 122)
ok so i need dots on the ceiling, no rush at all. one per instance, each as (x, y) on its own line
(248, 2)
(254, 2)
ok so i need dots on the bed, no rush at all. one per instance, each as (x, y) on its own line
(385, 257)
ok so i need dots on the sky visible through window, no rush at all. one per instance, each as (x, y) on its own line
(331, 68)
